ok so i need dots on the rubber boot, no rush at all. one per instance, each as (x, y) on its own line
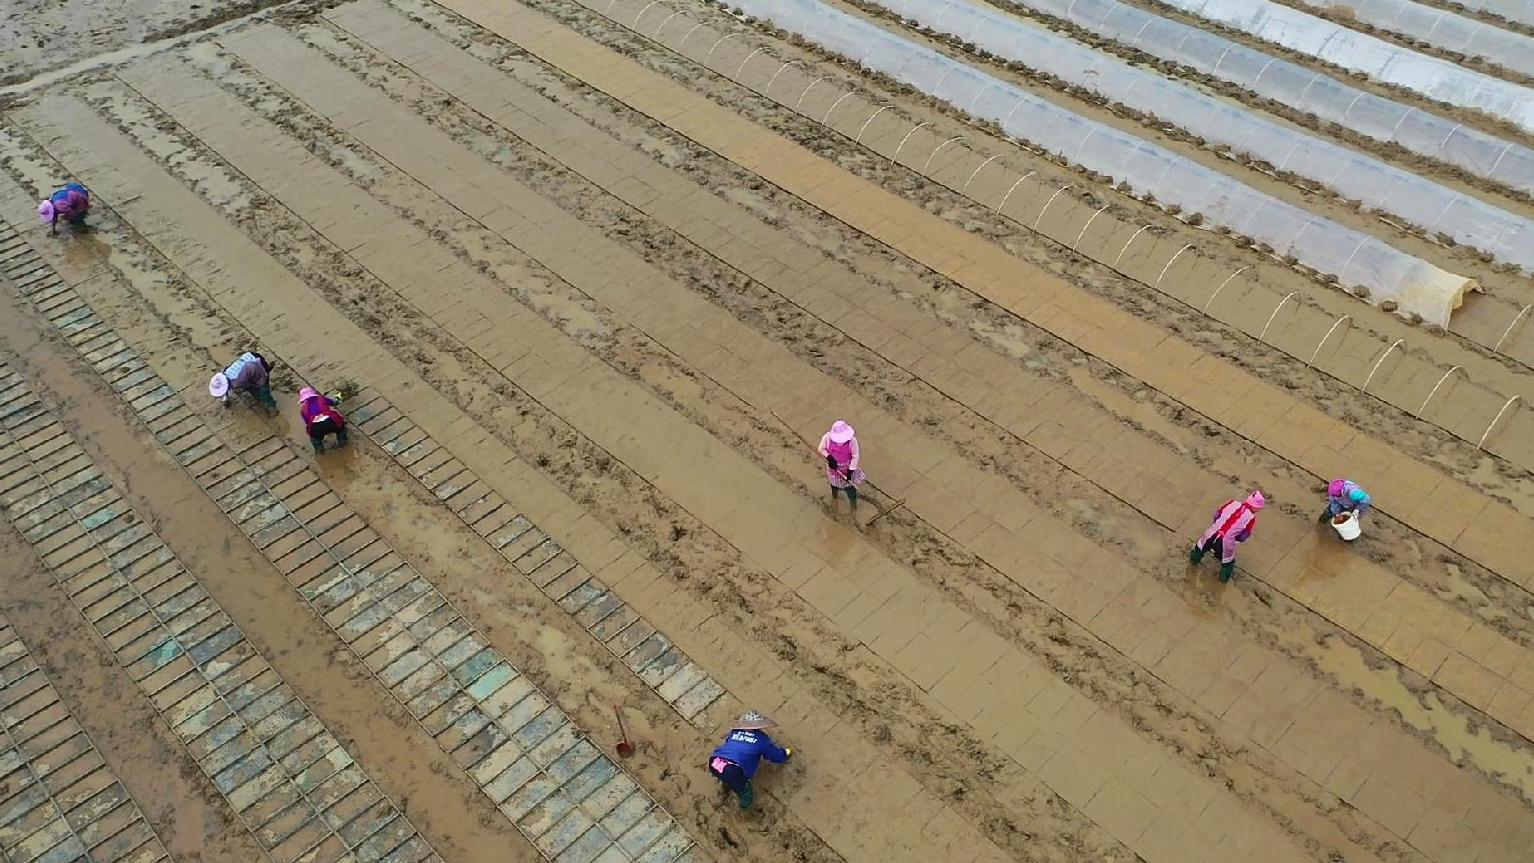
(341, 438)
(747, 797)
(1196, 555)
(852, 496)
(1227, 570)
(319, 444)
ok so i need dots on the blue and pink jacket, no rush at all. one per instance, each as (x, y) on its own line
(747, 748)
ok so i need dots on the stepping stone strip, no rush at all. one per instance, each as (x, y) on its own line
(60, 803)
(571, 801)
(648, 653)
(287, 778)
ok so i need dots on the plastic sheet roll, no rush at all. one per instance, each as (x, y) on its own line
(1374, 183)
(1354, 257)
(1434, 78)
(1377, 117)
(1441, 29)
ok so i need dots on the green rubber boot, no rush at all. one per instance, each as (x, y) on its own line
(1227, 570)
(1196, 555)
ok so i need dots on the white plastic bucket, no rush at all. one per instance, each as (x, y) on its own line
(1347, 526)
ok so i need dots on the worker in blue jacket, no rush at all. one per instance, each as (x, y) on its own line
(736, 760)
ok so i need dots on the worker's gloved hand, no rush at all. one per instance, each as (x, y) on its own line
(831, 462)
(788, 752)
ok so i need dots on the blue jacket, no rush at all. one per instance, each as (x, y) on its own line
(748, 748)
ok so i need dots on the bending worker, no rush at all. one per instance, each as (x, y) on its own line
(321, 418)
(1345, 495)
(70, 203)
(250, 373)
(736, 760)
(1232, 525)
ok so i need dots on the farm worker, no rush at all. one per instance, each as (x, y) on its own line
(840, 447)
(1345, 495)
(70, 203)
(321, 418)
(736, 760)
(1232, 526)
(250, 373)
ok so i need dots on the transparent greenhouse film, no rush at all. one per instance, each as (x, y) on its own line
(1374, 183)
(1377, 117)
(1417, 286)
(1437, 79)
(1517, 11)
(1441, 29)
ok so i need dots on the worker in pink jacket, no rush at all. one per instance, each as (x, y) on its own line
(70, 203)
(840, 448)
(1233, 524)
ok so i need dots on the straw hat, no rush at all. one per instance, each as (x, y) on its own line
(841, 432)
(218, 387)
(753, 720)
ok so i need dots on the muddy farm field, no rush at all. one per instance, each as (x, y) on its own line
(595, 276)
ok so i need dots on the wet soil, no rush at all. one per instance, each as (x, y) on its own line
(1297, 722)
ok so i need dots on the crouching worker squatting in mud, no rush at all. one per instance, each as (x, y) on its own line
(735, 762)
(321, 418)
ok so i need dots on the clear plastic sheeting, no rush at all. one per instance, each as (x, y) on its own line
(1517, 11)
(1424, 133)
(1374, 183)
(1417, 286)
(1436, 79)
(1441, 29)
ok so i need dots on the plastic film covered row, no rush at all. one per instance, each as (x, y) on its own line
(1440, 28)
(1436, 79)
(1421, 132)
(1417, 286)
(1372, 182)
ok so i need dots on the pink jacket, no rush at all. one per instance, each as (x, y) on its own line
(1238, 519)
(846, 454)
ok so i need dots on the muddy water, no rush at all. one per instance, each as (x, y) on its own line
(1364, 681)
(1285, 778)
(548, 453)
(451, 814)
(185, 810)
(749, 303)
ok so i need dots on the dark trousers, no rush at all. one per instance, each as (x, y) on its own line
(1217, 546)
(734, 778)
(262, 395)
(324, 426)
(851, 490)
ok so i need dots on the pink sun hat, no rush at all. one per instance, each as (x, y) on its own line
(218, 386)
(45, 211)
(1335, 487)
(1255, 500)
(841, 432)
(308, 393)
